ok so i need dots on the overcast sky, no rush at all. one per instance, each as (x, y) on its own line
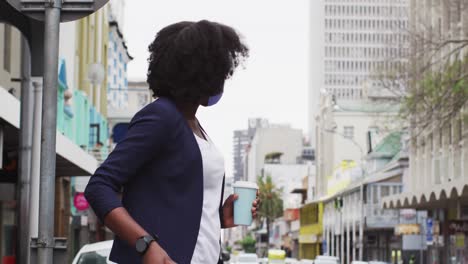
(274, 83)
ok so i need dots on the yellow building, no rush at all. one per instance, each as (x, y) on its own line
(91, 48)
(310, 232)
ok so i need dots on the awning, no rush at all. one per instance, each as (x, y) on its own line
(435, 196)
(71, 159)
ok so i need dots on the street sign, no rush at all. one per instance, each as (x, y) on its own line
(71, 9)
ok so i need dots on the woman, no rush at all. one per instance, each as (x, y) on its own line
(170, 173)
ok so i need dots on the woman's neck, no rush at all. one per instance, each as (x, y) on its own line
(188, 110)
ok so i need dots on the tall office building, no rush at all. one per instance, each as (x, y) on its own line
(362, 39)
(353, 42)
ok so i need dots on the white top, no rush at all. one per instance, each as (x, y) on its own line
(207, 249)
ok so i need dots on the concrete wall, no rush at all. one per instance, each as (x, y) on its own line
(273, 139)
(289, 177)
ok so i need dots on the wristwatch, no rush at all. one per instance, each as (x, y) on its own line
(143, 243)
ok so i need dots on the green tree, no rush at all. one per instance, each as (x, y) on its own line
(248, 244)
(271, 205)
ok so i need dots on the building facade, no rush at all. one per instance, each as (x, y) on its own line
(241, 143)
(439, 152)
(355, 41)
(275, 138)
(118, 58)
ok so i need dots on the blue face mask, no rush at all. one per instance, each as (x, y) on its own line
(214, 99)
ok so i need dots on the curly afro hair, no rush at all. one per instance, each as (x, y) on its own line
(190, 60)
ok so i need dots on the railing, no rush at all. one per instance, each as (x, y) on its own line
(100, 154)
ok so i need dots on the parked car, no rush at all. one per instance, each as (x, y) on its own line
(291, 261)
(306, 261)
(247, 258)
(359, 262)
(96, 253)
(326, 260)
(263, 260)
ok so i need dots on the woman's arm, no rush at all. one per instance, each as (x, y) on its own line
(125, 227)
(147, 135)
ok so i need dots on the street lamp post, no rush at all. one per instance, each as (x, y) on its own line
(361, 191)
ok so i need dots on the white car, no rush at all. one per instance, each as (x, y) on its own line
(291, 261)
(359, 262)
(326, 260)
(247, 258)
(96, 253)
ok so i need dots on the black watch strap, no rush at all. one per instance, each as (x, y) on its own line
(143, 243)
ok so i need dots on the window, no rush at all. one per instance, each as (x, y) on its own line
(7, 48)
(348, 132)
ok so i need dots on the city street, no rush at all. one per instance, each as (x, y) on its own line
(235, 132)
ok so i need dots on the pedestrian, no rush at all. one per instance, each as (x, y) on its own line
(169, 171)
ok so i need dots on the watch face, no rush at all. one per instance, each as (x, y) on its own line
(141, 245)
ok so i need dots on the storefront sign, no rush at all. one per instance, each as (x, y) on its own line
(429, 231)
(460, 241)
(407, 215)
(80, 202)
(309, 238)
(458, 226)
(291, 214)
(407, 229)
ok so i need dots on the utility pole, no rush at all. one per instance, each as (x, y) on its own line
(49, 130)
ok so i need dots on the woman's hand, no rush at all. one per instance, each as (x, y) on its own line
(156, 255)
(228, 210)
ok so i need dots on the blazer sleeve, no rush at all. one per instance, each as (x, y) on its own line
(147, 133)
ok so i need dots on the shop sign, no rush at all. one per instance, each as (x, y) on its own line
(408, 215)
(308, 238)
(80, 203)
(429, 231)
(460, 240)
(291, 214)
(457, 226)
(407, 229)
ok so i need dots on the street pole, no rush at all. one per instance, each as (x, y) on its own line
(361, 223)
(25, 143)
(36, 160)
(49, 130)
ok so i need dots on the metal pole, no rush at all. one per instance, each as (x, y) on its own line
(361, 223)
(342, 238)
(49, 131)
(25, 144)
(36, 160)
(348, 233)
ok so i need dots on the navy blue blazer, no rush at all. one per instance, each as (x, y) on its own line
(158, 167)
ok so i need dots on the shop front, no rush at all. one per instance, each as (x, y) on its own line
(310, 231)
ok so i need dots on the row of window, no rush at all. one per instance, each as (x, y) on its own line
(366, 38)
(366, 24)
(365, 52)
(345, 80)
(368, 1)
(362, 66)
(365, 10)
(346, 93)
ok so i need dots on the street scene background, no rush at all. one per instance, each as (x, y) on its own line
(350, 115)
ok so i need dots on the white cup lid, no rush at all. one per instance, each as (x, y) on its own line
(245, 184)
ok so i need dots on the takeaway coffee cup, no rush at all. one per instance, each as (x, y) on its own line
(247, 192)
